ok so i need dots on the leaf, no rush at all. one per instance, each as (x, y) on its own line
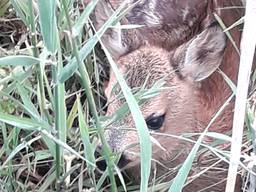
(84, 16)
(48, 24)
(72, 66)
(21, 122)
(18, 60)
(144, 137)
(66, 146)
(4, 4)
(89, 154)
(180, 178)
(21, 9)
(28, 105)
(18, 149)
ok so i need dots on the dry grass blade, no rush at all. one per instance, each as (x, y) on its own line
(247, 53)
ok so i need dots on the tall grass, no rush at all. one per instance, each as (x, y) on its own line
(47, 125)
(54, 38)
(46, 115)
(248, 46)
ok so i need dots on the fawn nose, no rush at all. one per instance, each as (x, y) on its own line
(123, 161)
(102, 165)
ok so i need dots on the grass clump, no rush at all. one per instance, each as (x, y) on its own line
(51, 105)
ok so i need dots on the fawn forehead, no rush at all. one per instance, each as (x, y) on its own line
(141, 68)
(147, 65)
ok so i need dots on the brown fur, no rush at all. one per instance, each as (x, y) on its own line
(166, 23)
(174, 31)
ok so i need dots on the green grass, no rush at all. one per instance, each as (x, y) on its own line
(50, 112)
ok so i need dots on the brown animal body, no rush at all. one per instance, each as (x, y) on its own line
(181, 43)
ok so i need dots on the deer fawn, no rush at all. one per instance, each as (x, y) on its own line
(180, 42)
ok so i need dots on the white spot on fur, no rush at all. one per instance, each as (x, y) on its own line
(185, 13)
(190, 23)
(151, 16)
(177, 32)
(119, 33)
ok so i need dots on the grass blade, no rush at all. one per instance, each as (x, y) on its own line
(88, 149)
(67, 147)
(144, 137)
(21, 122)
(72, 66)
(223, 26)
(19, 60)
(28, 105)
(180, 178)
(84, 17)
(48, 23)
(248, 48)
(21, 9)
(18, 149)
(4, 4)
(87, 85)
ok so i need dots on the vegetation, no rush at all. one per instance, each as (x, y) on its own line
(52, 106)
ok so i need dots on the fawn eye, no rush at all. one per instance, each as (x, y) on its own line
(155, 122)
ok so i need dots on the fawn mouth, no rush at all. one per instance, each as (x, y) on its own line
(122, 164)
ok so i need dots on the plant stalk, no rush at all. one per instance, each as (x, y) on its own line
(107, 153)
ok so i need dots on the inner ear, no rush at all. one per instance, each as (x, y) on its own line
(204, 54)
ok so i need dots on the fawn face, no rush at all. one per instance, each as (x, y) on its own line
(178, 44)
(178, 108)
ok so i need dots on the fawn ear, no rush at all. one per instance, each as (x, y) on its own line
(117, 40)
(204, 54)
